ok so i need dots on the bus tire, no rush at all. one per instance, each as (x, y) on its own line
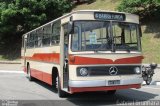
(111, 92)
(61, 93)
(29, 73)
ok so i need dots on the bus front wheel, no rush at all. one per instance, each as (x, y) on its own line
(58, 86)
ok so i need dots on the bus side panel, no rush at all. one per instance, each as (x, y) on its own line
(42, 60)
(42, 71)
(37, 74)
(45, 77)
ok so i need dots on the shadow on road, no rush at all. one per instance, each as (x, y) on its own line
(43, 84)
(102, 98)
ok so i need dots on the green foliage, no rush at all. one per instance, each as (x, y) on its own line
(20, 16)
(144, 8)
(30, 13)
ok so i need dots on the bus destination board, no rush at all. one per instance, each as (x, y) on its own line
(109, 16)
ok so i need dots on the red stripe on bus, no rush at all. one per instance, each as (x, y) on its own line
(45, 57)
(78, 60)
(85, 89)
(86, 60)
(45, 77)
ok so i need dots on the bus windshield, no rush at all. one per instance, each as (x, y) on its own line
(105, 36)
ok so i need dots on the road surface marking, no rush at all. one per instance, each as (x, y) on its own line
(9, 71)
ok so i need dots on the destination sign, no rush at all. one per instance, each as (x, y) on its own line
(109, 16)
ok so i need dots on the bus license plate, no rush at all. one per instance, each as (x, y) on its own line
(113, 82)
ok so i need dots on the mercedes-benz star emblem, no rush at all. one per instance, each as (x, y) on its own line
(113, 70)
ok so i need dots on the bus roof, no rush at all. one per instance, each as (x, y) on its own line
(130, 19)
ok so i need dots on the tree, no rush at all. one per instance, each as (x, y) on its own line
(144, 8)
(20, 16)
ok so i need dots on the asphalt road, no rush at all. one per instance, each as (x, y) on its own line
(16, 89)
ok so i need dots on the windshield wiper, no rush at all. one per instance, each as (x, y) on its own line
(126, 47)
(121, 47)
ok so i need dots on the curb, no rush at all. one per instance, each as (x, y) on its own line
(10, 62)
(10, 71)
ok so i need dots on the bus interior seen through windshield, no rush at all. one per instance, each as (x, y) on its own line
(105, 36)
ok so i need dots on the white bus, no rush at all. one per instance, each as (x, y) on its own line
(89, 50)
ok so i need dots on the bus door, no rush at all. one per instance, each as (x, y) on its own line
(64, 55)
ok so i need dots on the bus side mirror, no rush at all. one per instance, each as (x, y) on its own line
(70, 27)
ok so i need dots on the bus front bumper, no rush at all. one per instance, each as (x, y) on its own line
(102, 85)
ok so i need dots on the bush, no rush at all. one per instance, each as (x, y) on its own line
(146, 9)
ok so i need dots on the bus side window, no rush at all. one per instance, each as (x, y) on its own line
(39, 37)
(36, 40)
(55, 36)
(46, 35)
(28, 36)
(66, 39)
(75, 39)
(31, 40)
(39, 40)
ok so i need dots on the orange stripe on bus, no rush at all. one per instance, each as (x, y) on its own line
(86, 60)
(45, 57)
(78, 60)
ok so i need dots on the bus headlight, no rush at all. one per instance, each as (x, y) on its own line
(83, 72)
(137, 70)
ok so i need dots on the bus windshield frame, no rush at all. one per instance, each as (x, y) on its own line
(95, 35)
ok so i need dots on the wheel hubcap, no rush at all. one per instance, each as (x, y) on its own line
(57, 82)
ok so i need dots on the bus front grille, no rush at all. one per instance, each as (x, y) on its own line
(108, 70)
